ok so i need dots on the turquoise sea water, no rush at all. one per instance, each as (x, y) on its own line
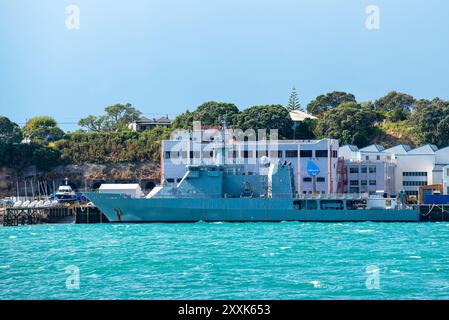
(226, 261)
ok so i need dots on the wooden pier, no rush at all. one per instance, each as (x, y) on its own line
(88, 215)
(434, 213)
(28, 216)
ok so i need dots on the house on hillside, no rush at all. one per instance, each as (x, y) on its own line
(144, 123)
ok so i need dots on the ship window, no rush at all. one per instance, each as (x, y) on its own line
(307, 179)
(320, 179)
(170, 180)
(332, 205)
(298, 204)
(312, 205)
(355, 204)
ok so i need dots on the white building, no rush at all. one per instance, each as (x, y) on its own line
(367, 170)
(404, 168)
(202, 148)
(446, 179)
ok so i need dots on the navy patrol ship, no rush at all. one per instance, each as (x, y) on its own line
(225, 192)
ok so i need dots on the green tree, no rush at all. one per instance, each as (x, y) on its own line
(184, 120)
(396, 105)
(305, 130)
(430, 121)
(9, 131)
(293, 102)
(266, 118)
(117, 118)
(210, 113)
(395, 101)
(42, 130)
(350, 123)
(329, 101)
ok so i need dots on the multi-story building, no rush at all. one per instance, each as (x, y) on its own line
(397, 168)
(367, 170)
(204, 147)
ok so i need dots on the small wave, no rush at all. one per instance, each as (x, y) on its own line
(12, 237)
(285, 248)
(395, 271)
(4, 267)
(316, 284)
(415, 257)
(203, 266)
(363, 231)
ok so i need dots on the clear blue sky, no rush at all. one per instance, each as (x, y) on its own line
(166, 56)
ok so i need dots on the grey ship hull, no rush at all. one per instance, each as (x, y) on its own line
(119, 208)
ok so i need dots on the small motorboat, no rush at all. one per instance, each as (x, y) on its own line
(65, 194)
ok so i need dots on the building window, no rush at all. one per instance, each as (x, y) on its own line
(378, 157)
(307, 179)
(353, 169)
(372, 169)
(208, 154)
(367, 158)
(414, 183)
(412, 193)
(274, 152)
(291, 153)
(354, 182)
(305, 153)
(354, 190)
(321, 153)
(372, 182)
(414, 174)
(247, 154)
(363, 169)
(167, 154)
(261, 153)
(334, 154)
(320, 179)
(363, 182)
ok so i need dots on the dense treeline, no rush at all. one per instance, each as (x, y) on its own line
(102, 147)
(394, 118)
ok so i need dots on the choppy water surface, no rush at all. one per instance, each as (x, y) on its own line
(226, 261)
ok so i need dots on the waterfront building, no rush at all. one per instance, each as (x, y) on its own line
(397, 168)
(446, 179)
(367, 170)
(420, 167)
(199, 149)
